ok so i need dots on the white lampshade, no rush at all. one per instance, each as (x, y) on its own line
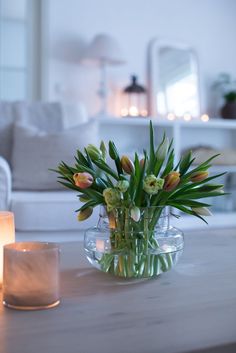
(105, 48)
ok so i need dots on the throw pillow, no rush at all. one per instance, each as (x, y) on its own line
(35, 152)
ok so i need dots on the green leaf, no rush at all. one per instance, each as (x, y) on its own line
(188, 211)
(210, 187)
(82, 160)
(103, 166)
(132, 184)
(185, 163)
(169, 164)
(87, 205)
(89, 160)
(151, 149)
(83, 168)
(69, 186)
(202, 167)
(109, 182)
(139, 174)
(190, 203)
(160, 155)
(195, 194)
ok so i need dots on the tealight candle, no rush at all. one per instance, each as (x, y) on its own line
(31, 275)
(7, 235)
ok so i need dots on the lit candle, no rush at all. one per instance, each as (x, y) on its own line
(7, 235)
(31, 275)
(133, 111)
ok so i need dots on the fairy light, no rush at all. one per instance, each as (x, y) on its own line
(187, 117)
(144, 112)
(205, 118)
(171, 116)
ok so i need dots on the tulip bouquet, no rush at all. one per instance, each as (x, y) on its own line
(134, 194)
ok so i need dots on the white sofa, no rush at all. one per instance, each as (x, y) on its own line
(38, 210)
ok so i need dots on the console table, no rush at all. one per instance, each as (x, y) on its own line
(189, 309)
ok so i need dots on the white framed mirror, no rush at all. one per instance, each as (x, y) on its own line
(173, 77)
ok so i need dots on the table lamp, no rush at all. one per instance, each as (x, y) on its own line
(105, 51)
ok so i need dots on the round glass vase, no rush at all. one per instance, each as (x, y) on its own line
(126, 248)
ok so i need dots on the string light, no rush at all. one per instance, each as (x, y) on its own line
(171, 116)
(205, 118)
(187, 117)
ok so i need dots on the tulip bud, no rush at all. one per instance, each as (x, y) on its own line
(112, 198)
(171, 181)
(113, 151)
(127, 165)
(141, 163)
(202, 211)
(84, 214)
(103, 150)
(122, 185)
(163, 149)
(83, 180)
(199, 176)
(152, 184)
(135, 213)
(94, 153)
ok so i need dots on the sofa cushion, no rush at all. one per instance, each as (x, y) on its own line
(47, 116)
(52, 210)
(35, 152)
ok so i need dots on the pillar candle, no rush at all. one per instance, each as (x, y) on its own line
(31, 275)
(7, 235)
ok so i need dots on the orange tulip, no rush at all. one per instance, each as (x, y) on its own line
(127, 165)
(171, 181)
(141, 162)
(83, 180)
(83, 215)
(199, 176)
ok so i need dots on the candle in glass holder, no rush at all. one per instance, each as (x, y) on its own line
(31, 275)
(7, 235)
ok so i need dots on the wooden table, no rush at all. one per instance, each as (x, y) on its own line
(189, 309)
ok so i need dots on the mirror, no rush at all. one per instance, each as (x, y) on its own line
(173, 80)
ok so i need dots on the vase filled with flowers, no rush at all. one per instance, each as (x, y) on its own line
(134, 238)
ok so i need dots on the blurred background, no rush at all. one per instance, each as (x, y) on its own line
(63, 62)
(43, 42)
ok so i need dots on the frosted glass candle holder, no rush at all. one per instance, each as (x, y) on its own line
(31, 275)
(7, 235)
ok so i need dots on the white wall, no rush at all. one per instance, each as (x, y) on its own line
(209, 26)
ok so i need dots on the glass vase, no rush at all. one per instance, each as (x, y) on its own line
(130, 248)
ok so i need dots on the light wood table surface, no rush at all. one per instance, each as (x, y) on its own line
(189, 309)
